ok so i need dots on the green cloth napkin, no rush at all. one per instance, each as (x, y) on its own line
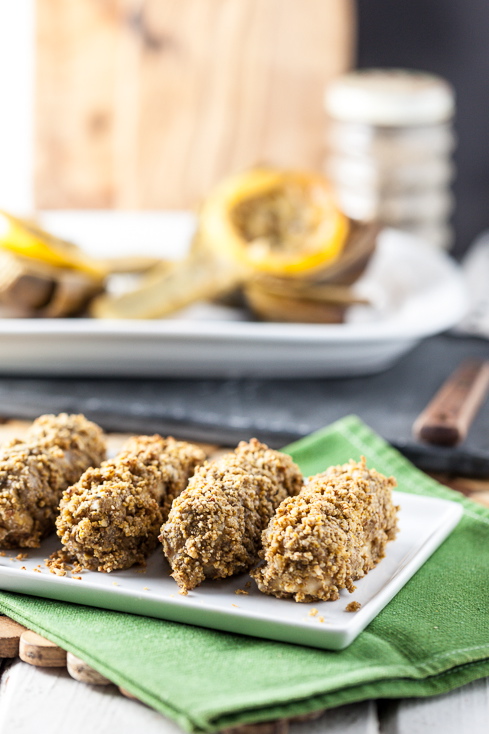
(432, 637)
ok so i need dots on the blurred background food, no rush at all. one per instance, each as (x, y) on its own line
(275, 238)
(43, 275)
(148, 104)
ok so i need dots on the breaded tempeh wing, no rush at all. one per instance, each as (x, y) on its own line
(328, 536)
(34, 473)
(214, 526)
(111, 517)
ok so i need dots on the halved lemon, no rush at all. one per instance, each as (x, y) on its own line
(278, 222)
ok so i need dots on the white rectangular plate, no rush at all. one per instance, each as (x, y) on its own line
(424, 523)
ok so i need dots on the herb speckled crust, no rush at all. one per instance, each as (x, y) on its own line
(331, 534)
(111, 517)
(34, 473)
(214, 526)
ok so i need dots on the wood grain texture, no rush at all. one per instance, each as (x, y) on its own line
(38, 651)
(447, 418)
(37, 700)
(12, 429)
(147, 103)
(48, 700)
(127, 694)
(82, 672)
(10, 633)
(76, 44)
(356, 718)
(281, 726)
(464, 710)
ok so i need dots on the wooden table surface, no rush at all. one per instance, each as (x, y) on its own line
(37, 700)
(41, 700)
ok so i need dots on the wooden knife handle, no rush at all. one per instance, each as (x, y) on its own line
(447, 418)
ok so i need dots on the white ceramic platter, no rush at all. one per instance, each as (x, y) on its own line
(424, 523)
(414, 290)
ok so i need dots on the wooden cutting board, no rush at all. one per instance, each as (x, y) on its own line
(147, 103)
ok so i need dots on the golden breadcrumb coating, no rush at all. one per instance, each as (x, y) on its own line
(34, 473)
(111, 517)
(328, 536)
(214, 526)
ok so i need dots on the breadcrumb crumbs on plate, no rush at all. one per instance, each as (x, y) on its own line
(353, 606)
(313, 611)
(37, 570)
(59, 563)
(21, 556)
(248, 585)
(146, 588)
(58, 571)
(321, 619)
(242, 591)
(78, 578)
(235, 605)
(23, 568)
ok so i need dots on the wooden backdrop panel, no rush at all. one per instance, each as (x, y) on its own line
(77, 55)
(147, 103)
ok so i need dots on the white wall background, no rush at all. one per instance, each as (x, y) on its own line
(16, 104)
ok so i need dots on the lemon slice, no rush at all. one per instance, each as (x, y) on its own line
(28, 240)
(278, 222)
